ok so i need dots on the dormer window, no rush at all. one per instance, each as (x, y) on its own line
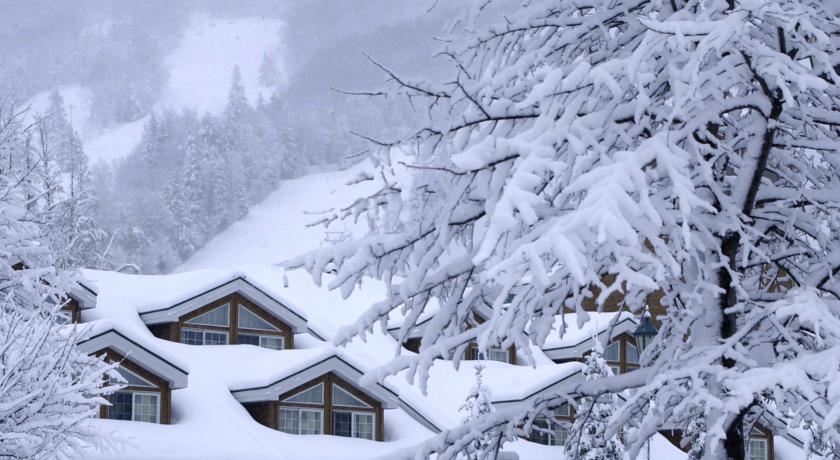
(324, 405)
(232, 319)
(140, 400)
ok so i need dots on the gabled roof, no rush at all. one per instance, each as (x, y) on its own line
(338, 366)
(578, 340)
(240, 285)
(154, 363)
(84, 294)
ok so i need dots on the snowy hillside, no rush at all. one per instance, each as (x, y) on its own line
(277, 229)
(199, 69)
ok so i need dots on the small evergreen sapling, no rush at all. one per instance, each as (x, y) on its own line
(478, 404)
(588, 435)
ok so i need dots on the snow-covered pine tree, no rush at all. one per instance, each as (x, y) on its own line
(478, 404)
(694, 437)
(681, 146)
(48, 390)
(184, 199)
(588, 437)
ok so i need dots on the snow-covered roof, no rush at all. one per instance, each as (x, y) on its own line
(577, 338)
(115, 340)
(239, 284)
(85, 294)
(330, 364)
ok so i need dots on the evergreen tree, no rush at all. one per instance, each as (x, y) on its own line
(588, 439)
(185, 201)
(695, 438)
(478, 405)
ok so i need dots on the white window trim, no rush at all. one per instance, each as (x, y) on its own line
(205, 331)
(134, 395)
(353, 422)
(300, 424)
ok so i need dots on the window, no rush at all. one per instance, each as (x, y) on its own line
(295, 420)
(758, 449)
(346, 412)
(249, 320)
(612, 352)
(121, 404)
(217, 317)
(314, 395)
(272, 342)
(498, 354)
(622, 356)
(549, 432)
(135, 380)
(632, 353)
(342, 397)
(265, 341)
(139, 406)
(203, 337)
(353, 424)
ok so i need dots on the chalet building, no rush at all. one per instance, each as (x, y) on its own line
(235, 312)
(324, 398)
(147, 395)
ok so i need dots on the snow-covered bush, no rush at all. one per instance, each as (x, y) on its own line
(48, 389)
(681, 147)
(588, 437)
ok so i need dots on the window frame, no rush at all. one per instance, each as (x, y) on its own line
(204, 333)
(299, 410)
(134, 394)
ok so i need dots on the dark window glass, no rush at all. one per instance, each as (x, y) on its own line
(192, 337)
(248, 339)
(120, 405)
(343, 423)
